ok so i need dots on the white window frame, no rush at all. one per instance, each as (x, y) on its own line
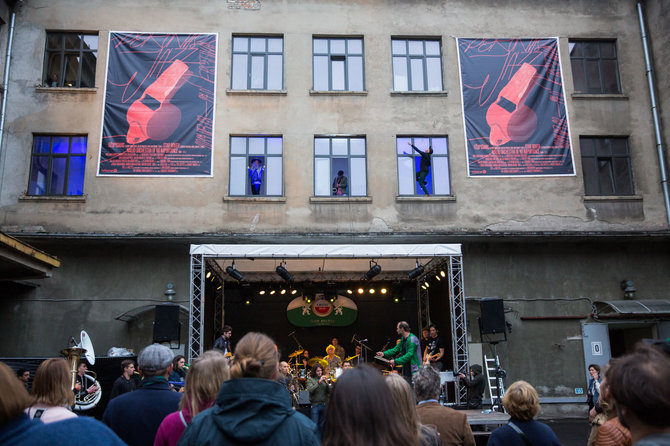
(411, 57)
(439, 177)
(335, 152)
(243, 149)
(340, 53)
(257, 52)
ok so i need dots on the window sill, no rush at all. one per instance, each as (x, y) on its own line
(42, 89)
(340, 199)
(611, 198)
(420, 93)
(67, 198)
(599, 96)
(255, 199)
(337, 93)
(256, 92)
(423, 198)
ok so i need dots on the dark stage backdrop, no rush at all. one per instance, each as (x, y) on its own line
(377, 319)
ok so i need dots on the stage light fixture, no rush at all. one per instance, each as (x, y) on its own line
(261, 292)
(219, 287)
(383, 290)
(374, 270)
(283, 272)
(396, 300)
(272, 292)
(247, 301)
(442, 273)
(283, 291)
(235, 274)
(361, 291)
(437, 277)
(294, 291)
(416, 272)
(350, 291)
(208, 275)
(372, 291)
(426, 284)
(423, 287)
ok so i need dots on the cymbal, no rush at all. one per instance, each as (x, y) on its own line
(295, 353)
(352, 357)
(317, 360)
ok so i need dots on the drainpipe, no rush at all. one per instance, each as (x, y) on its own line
(654, 111)
(5, 82)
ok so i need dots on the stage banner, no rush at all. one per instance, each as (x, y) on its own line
(158, 117)
(322, 312)
(516, 122)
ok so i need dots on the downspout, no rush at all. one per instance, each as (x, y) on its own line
(5, 82)
(654, 111)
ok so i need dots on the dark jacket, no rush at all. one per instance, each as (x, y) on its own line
(538, 433)
(136, 416)
(476, 385)
(26, 432)
(424, 165)
(251, 411)
(121, 386)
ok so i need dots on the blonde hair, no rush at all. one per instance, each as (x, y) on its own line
(52, 385)
(255, 356)
(203, 381)
(403, 399)
(14, 398)
(521, 401)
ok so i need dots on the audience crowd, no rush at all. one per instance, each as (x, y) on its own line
(247, 400)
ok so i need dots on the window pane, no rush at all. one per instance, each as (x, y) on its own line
(275, 45)
(587, 146)
(405, 175)
(592, 76)
(605, 176)
(610, 82)
(240, 44)
(321, 146)
(275, 72)
(257, 72)
(590, 49)
(602, 146)
(619, 146)
(421, 144)
(357, 179)
(72, 42)
(337, 46)
(257, 44)
(400, 74)
(75, 181)
(239, 72)
(338, 75)
(238, 145)
(578, 75)
(401, 145)
(61, 144)
(41, 144)
(38, 175)
(78, 144)
(238, 175)
(273, 176)
(440, 174)
(439, 146)
(398, 47)
(90, 42)
(607, 49)
(355, 73)
(415, 47)
(320, 73)
(71, 70)
(88, 70)
(433, 47)
(322, 177)
(355, 46)
(274, 146)
(590, 176)
(576, 49)
(53, 69)
(357, 146)
(339, 146)
(320, 46)
(54, 41)
(434, 69)
(624, 183)
(417, 74)
(256, 146)
(57, 186)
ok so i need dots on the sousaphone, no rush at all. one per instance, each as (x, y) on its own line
(72, 355)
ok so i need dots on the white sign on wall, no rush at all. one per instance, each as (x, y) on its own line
(597, 348)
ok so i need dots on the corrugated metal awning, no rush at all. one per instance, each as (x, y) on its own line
(633, 308)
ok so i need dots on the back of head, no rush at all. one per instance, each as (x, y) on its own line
(361, 411)
(14, 398)
(403, 398)
(427, 383)
(640, 383)
(154, 360)
(256, 356)
(52, 385)
(203, 381)
(521, 401)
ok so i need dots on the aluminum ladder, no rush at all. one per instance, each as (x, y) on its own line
(490, 365)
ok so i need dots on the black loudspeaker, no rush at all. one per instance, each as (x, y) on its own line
(166, 323)
(492, 315)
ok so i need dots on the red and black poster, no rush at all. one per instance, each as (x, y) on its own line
(514, 109)
(159, 105)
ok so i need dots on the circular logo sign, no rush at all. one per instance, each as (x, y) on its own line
(322, 308)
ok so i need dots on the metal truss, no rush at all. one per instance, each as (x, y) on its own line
(459, 326)
(196, 307)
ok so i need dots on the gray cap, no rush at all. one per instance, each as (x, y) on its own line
(155, 358)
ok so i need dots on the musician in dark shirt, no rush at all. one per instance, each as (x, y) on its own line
(127, 381)
(434, 350)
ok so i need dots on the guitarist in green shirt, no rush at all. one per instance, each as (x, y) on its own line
(406, 352)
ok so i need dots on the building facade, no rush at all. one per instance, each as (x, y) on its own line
(279, 97)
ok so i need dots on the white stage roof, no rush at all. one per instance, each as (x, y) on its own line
(326, 251)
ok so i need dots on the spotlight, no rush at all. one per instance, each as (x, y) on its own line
(372, 291)
(247, 301)
(272, 292)
(283, 291)
(283, 272)
(361, 291)
(437, 277)
(423, 287)
(235, 274)
(294, 291)
(442, 273)
(261, 292)
(426, 284)
(383, 291)
(219, 287)
(208, 275)
(373, 271)
(396, 300)
(350, 292)
(416, 272)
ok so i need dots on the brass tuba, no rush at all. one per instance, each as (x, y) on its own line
(83, 401)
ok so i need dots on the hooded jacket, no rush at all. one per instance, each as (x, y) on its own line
(476, 385)
(251, 411)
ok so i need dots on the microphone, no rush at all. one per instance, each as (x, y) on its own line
(363, 340)
(353, 338)
(291, 333)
